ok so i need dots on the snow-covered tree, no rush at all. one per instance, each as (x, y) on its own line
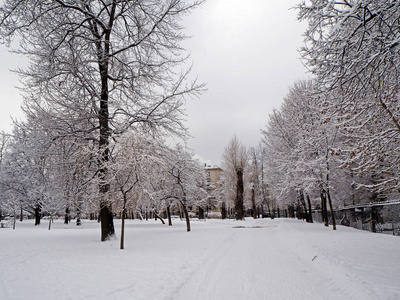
(352, 47)
(186, 180)
(235, 161)
(303, 146)
(133, 159)
(115, 60)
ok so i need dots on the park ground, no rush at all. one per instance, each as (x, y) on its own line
(218, 259)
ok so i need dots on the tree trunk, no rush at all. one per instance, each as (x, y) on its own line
(66, 217)
(299, 214)
(38, 210)
(103, 50)
(169, 216)
(106, 219)
(309, 208)
(324, 208)
(201, 213)
(21, 216)
(78, 214)
(121, 245)
(223, 211)
(253, 202)
(157, 216)
(303, 204)
(185, 211)
(50, 219)
(14, 220)
(331, 209)
(239, 214)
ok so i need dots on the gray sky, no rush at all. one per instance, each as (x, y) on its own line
(246, 52)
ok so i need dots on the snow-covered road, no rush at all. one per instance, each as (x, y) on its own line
(252, 259)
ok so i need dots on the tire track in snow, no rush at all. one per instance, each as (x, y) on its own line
(325, 277)
(201, 277)
(229, 270)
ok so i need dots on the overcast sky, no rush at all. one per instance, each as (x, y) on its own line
(246, 52)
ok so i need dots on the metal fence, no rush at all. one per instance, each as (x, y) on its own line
(380, 217)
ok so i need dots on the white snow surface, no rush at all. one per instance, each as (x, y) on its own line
(218, 259)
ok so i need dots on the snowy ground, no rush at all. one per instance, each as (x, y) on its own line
(252, 259)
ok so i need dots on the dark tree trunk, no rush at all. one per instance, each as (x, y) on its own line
(106, 213)
(329, 199)
(157, 216)
(169, 216)
(185, 211)
(324, 208)
(303, 204)
(106, 219)
(38, 210)
(239, 214)
(103, 50)
(299, 214)
(181, 215)
(78, 214)
(223, 211)
(279, 213)
(121, 245)
(253, 202)
(66, 217)
(201, 213)
(331, 209)
(21, 216)
(309, 208)
(50, 220)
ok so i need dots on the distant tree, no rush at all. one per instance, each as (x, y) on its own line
(256, 180)
(235, 159)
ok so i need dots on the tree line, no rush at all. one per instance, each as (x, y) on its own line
(335, 139)
(105, 89)
(103, 78)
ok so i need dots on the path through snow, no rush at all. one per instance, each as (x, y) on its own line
(257, 260)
